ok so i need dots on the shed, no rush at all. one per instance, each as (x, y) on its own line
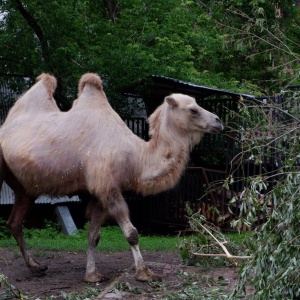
(215, 150)
(157, 87)
(209, 161)
(59, 204)
(7, 197)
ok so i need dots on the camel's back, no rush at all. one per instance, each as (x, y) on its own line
(80, 130)
(62, 152)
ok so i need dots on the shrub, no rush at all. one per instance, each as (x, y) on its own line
(274, 269)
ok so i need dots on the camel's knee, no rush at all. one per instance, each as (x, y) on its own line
(133, 237)
(14, 229)
(94, 239)
(97, 239)
(12, 226)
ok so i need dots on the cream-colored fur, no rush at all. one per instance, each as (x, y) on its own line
(90, 148)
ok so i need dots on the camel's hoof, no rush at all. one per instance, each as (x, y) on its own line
(37, 268)
(147, 275)
(95, 277)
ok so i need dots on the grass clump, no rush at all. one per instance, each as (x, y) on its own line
(88, 293)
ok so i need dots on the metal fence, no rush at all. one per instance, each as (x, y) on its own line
(6, 101)
(202, 187)
(199, 187)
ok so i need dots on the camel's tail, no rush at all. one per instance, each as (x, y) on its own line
(92, 79)
(49, 81)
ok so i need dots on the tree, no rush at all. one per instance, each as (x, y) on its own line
(273, 269)
(41, 42)
(127, 41)
(263, 36)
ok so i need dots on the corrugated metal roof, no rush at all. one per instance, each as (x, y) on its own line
(7, 197)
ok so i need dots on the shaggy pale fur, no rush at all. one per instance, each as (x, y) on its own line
(90, 148)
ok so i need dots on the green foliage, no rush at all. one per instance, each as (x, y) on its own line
(261, 39)
(50, 231)
(203, 240)
(274, 268)
(197, 292)
(221, 44)
(8, 291)
(4, 233)
(88, 293)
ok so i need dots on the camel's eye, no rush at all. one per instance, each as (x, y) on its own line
(194, 111)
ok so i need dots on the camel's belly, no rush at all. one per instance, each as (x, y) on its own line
(46, 172)
(58, 164)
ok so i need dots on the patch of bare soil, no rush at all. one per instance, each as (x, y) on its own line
(66, 271)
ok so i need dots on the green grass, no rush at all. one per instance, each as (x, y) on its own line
(238, 238)
(112, 239)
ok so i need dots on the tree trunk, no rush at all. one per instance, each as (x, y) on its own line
(111, 7)
(35, 27)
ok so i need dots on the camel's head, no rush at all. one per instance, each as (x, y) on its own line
(180, 115)
(190, 117)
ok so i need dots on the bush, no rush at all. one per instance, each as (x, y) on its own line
(4, 232)
(274, 269)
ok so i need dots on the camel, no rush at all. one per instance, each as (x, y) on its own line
(90, 149)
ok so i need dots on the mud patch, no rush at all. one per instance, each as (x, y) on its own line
(66, 272)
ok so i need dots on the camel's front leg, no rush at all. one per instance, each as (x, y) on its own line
(96, 220)
(14, 224)
(119, 210)
(143, 273)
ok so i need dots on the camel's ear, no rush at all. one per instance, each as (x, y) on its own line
(171, 101)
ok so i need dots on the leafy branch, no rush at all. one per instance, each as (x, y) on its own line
(10, 290)
(220, 244)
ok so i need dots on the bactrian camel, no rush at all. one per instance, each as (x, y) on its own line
(89, 148)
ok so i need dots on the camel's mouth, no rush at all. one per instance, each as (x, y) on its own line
(217, 129)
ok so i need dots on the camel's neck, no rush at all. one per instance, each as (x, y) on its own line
(162, 164)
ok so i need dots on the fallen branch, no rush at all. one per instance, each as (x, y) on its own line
(221, 244)
(110, 287)
(222, 255)
(10, 290)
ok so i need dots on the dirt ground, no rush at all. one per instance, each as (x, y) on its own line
(66, 271)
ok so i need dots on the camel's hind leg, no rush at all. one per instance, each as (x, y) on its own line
(118, 209)
(20, 209)
(97, 217)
